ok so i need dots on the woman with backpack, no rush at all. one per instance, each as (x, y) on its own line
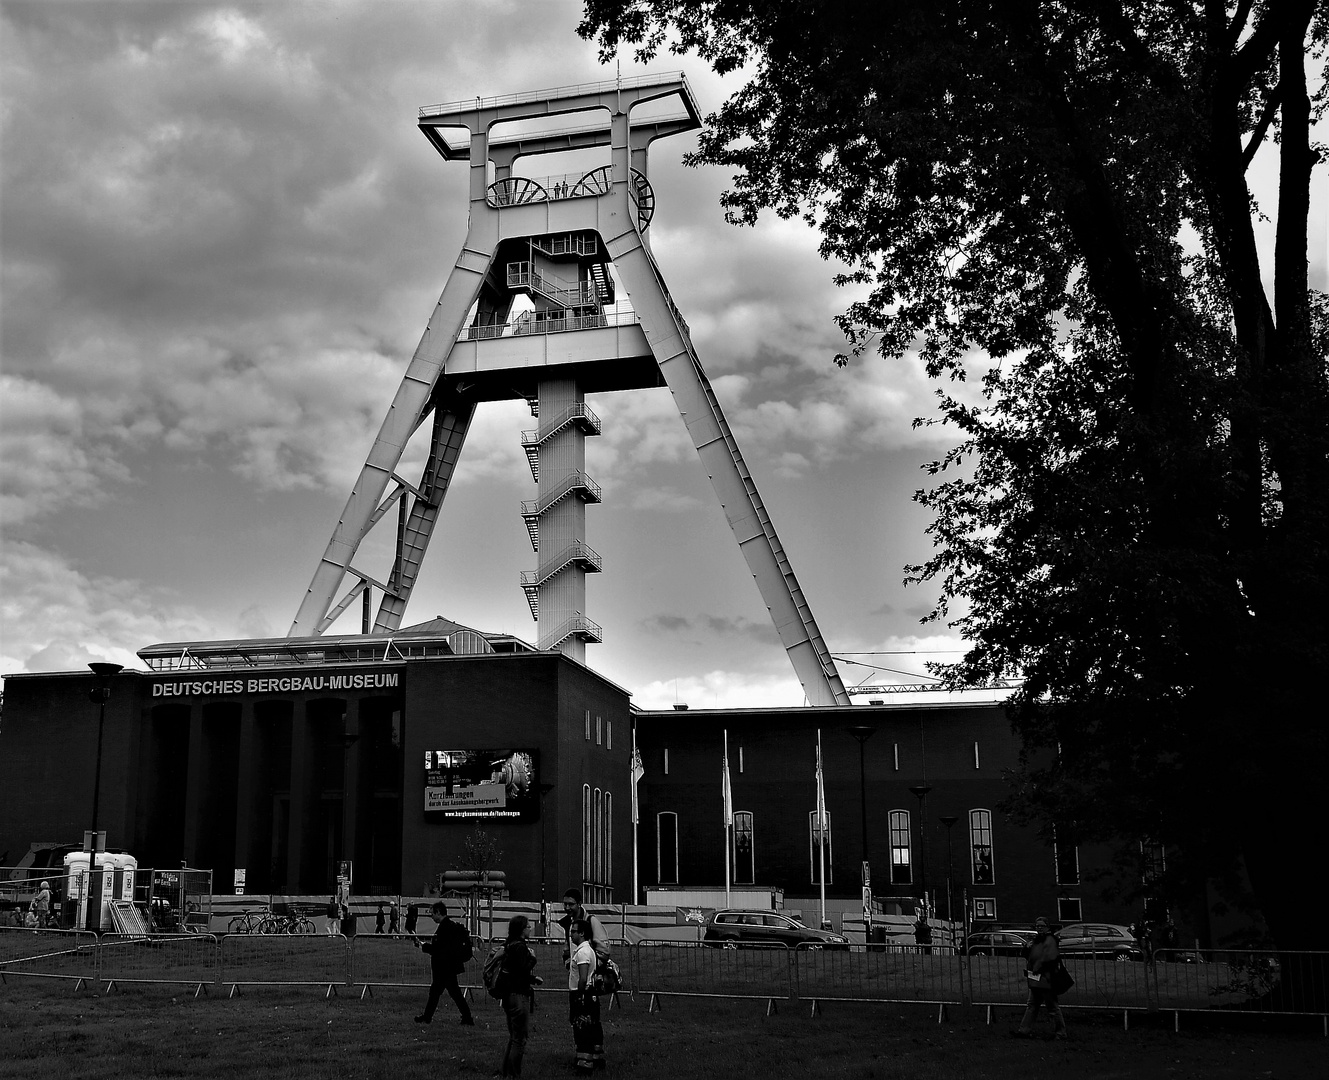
(517, 982)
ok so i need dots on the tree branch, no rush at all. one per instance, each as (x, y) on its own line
(1262, 128)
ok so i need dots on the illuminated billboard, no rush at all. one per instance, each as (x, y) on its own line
(481, 784)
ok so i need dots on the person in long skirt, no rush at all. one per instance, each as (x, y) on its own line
(518, 983)
(583, 1005)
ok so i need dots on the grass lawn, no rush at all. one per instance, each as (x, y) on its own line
(50, 1032)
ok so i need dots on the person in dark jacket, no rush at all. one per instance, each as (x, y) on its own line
(448, 950)
(1041, 959)
(518, 984)
(572, 912)
(412, 917)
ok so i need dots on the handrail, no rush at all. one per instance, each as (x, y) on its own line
(578, 410)
(523, 274)
(548, 326)
(576, 550)
(573, 90)
(578, 624)
(578, 481)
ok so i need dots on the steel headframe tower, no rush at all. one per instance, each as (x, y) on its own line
(530, 310)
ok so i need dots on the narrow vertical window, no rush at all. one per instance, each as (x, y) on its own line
(740, 759)
(666, 761)
(588, 725)
(666, 848)
(609, 840)
(895, 755)
(597, 838)
(599, 731)
(902, 872)
(609, 733)
(744, 863)
(975, 755)
(586, 816)
(815, 840)
(980, 842)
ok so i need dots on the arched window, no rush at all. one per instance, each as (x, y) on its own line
(666, 848)
(597, 833)
(609, 843)
(902, 863)
(586, 816)
(744, 860)
(980, 842)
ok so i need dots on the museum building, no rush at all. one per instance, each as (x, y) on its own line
(282, 758)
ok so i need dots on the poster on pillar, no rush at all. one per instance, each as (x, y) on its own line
(481, 784)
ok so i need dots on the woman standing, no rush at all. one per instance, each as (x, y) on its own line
(1041, 962)
(518, 984)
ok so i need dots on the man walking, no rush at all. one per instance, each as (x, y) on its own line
(449, 950)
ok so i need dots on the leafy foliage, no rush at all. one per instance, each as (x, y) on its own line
(1053, 198)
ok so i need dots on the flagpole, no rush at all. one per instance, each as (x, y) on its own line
(728, 817)
(821, 830)
(632, 772)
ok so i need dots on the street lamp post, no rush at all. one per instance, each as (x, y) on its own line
(99, 693)
(920, 792)
(949, 821)
(862, 733)
(545, 789)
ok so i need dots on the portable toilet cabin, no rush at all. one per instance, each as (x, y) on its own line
(113, 879)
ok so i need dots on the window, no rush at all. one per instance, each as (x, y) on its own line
(588, 725)
(599, 732)
(666, 761)
(598, 842)
(895, 755)
(666, 848)
(975, 755)
(740, 759)
(815, 849)
(608, 877)
(1153, 862)
(980, 841)
(609, 733)
(902, 872)
(744, 864)
(1067, 859)
(985, 908)
(1068, 909)
(586, 835)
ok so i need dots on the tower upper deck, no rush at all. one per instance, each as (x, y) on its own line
(659, 104)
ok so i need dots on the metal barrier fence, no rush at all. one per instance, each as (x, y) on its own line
(189, 959)
(1237, 982)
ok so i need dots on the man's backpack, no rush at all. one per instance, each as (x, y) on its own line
(607, 978)
(464, 948)
(492, 974)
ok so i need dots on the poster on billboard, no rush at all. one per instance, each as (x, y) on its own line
(481, 784)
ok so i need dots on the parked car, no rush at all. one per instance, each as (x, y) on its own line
(732, 927)
(999, 942)
(1099, 939)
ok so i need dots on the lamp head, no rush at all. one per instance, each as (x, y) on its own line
(919, 790)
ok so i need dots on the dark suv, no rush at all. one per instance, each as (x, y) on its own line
(1107, 940)
(732, 927)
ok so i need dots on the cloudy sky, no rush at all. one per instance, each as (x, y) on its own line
(222, 235)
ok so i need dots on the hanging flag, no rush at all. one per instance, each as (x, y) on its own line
(637, 773)
(821, 795)
(728, 791)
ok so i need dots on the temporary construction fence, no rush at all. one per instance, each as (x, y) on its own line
(1232, 982)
